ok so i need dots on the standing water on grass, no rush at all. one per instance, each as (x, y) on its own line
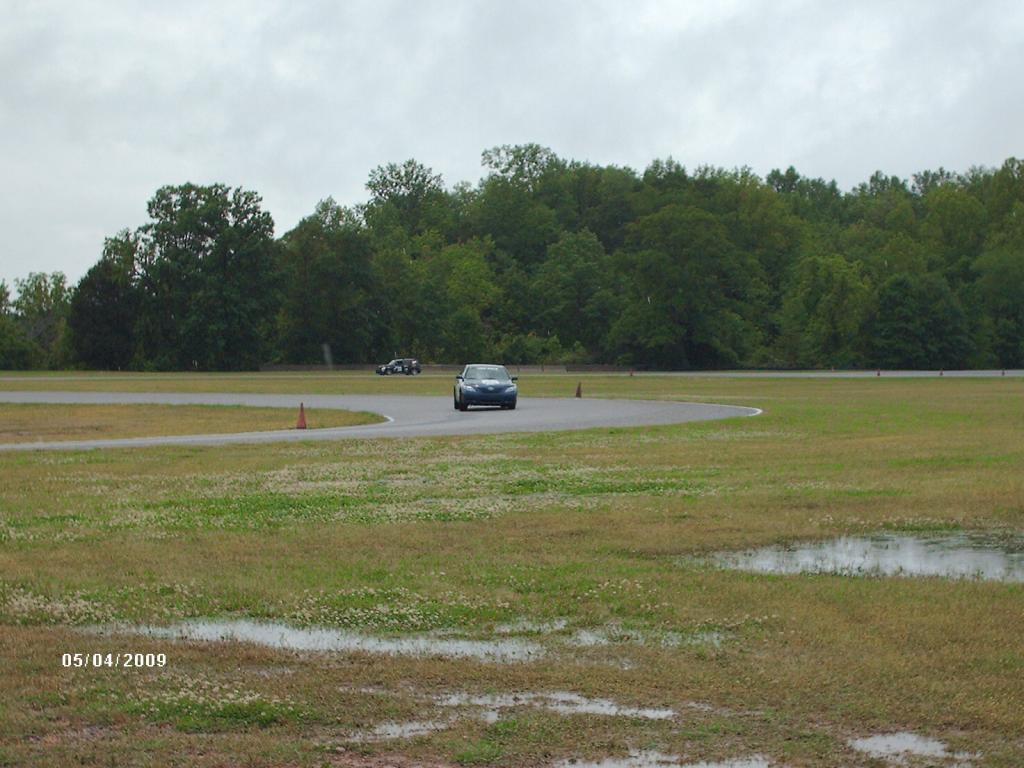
(653, 759)
(956, 557)
(277, 635)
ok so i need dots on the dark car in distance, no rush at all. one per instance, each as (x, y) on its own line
(406, 365)
(485, 384)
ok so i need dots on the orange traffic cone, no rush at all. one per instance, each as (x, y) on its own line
(579, 389)
(301, 423)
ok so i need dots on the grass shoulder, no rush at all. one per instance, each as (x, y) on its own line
(23, 422)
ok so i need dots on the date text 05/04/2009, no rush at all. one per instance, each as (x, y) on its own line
(121, 659)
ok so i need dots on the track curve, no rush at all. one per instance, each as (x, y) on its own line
(408, 416)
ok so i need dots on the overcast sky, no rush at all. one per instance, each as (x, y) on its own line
(103, 102)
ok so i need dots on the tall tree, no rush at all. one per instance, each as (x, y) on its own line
(919, 324)
(1000, 287)
(104, 307)
(409, 196)
(207, 295)
(824, 313)
(954, 227)
(328, 291)
(42, 308)
(689, 293)
(574, 292)
(16, 351)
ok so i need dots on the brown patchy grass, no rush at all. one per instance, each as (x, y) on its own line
(599, 527)
(20, 423)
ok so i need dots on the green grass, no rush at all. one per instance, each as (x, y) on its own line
(603, 529)
(29, 422)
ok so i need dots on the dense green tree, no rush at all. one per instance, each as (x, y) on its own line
(328, 291)
(546, 259)
(464, 285)
(208, 298)
(687, 293)
(1001, 290)
(409, 196)
(606, 201)
(574, 292)
(518, 223)
(104, 307)
(16, 352)
(954, 228)
(824, 313)
(525, 165)
(919, 324)
(41, 308)
(1002, 191)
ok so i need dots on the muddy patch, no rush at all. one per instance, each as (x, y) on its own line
(954, 557)
(276, 635)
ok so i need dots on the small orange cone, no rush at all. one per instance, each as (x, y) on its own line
(579, 389)
(301, 423)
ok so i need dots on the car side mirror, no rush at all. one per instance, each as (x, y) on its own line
(515, 378)
(459, 378)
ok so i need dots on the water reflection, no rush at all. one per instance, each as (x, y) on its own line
(563, 702)
(956, 556)
(897, 745)
(278, 635)
(653, 759)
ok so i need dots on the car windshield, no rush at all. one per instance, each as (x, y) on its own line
(496, 372)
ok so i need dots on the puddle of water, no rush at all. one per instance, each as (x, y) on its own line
(525, 626)
(644, 759)
(589, 638)
(558, 701)
(610, 635)
(593, 638)
(956, 557)
(488, 708)
(276, 635)
(386, 731)
(653, 759)
(897, 745)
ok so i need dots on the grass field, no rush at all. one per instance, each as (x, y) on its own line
(28, 423)
(563, 536)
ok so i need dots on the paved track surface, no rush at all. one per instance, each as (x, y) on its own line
(408, 416)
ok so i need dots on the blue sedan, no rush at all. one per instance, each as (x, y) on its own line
(484, 385)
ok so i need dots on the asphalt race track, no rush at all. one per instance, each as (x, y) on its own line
(408, 416)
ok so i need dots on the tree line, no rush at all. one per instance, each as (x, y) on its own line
(551, 260)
